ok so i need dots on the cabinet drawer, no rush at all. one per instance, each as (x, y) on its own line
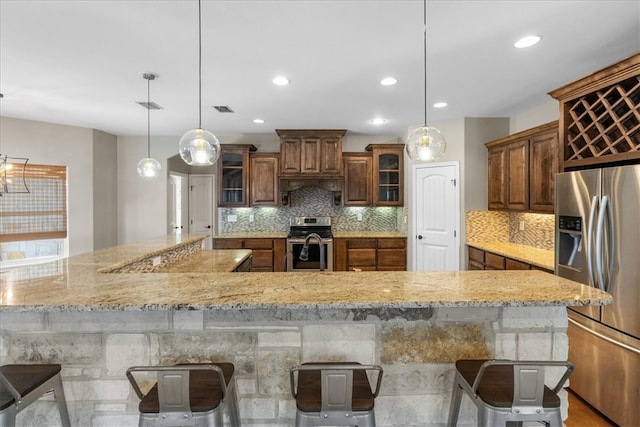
(361, 243)
(476, 255)
(392, 243)
(258, 244)
(493, 261)
(227, 244)
(475, 265)
(512, 264)
(392, 258)
(362, 258)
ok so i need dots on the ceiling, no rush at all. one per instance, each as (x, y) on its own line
(80, 62)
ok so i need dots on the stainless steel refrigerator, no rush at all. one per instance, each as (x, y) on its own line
(598, 244)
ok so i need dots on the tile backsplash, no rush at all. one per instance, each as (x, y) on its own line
(499, 226)
(312, 201)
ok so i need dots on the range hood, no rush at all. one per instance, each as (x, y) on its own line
(333, 183)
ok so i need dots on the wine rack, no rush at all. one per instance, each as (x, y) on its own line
(600, 116)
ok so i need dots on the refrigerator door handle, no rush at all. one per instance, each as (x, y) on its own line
(604, 209)
(589, 240)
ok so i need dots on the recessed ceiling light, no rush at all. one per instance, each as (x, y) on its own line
(258, 121)
(388, 81)
(527, 41)
(440, 105)
(281, 81)
(378, 121)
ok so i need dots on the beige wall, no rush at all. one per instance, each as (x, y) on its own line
(53, 144)
(105, 204)
(536, 116)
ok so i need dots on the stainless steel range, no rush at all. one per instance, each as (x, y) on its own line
(310, 244)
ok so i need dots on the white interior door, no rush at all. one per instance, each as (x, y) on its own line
(201, 205)
(178, 203)
(436, 217)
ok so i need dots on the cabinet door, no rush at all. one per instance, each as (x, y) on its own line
(290, 149)
(544, 164)
(497, 170)
(357, 179)
(311, 159)
(512, 264)
(233, 181)
(388, 178)
(264, 180)
(262, 253)
(331, 152)
(518, 175)
(392, 254)
(493, 261)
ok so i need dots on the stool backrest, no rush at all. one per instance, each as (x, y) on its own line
(528, 388)
(337, 389)
(173, 391)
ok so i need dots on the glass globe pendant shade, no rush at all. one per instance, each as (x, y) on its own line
(426, 144)
(199, 147)
(148, 168)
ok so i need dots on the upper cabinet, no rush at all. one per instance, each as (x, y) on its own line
(357, 179)
(233, 177)
(522, 168)
(388, 174)
(264, 179)
(600, 116)
(307, 152)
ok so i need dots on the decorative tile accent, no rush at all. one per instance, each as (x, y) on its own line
(498, 226)
(312, 201)
(490, 226)
(166, 258)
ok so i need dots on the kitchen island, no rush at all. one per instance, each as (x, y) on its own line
(101, 312)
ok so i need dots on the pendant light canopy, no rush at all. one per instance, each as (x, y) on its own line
(426, 143)
(12, 173)
(148, 167)
(199, 147)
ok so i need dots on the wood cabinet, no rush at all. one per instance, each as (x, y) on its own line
(233, 175)
(599, 116)
(388, 174)
(485, 260)
(522, 168)
(357, 179)
(308, 152)
(363, 254)
(267, 254)
(264, 179)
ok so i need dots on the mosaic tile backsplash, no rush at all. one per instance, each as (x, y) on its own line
(312, 201)
(498, 226)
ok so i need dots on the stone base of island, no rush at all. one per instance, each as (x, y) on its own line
(97, 324)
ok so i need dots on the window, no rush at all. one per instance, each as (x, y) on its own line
(34, 224)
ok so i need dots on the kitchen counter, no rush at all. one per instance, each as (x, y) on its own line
(208, 261)
(534, 256)
(167, 301)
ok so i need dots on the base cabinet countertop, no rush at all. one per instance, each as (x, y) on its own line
(414, 324)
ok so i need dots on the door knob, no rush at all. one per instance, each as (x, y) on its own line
(419, 237)
(208, 226)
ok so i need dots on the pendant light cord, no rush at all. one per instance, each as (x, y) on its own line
(148, 118)
(199, 65)
(425, 61)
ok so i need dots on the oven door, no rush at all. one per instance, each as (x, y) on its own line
(294, 246)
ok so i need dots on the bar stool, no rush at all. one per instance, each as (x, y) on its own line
(21, 385)
(187, 395)
(331, 394)
(506, 390)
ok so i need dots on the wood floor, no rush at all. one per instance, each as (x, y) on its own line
(581, 414)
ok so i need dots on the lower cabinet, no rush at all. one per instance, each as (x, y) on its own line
(484, 260)
(267, 254)
(245, 266)
(361, 254)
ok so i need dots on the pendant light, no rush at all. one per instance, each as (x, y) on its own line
(148, 167)
(12, 173)
(426, 143)
(199, 147)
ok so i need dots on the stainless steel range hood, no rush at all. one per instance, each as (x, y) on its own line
(333, 183)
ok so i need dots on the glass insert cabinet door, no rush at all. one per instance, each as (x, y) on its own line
(388, 174)
(233, 175)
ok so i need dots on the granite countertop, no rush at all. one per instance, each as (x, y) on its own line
(253, 235)
(74, 284)
(539, 257)
(208, 261)
(368, 234)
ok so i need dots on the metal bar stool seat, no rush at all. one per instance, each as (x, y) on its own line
(508, 391)
(21, 385)
(331, 394)
(187, 395)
